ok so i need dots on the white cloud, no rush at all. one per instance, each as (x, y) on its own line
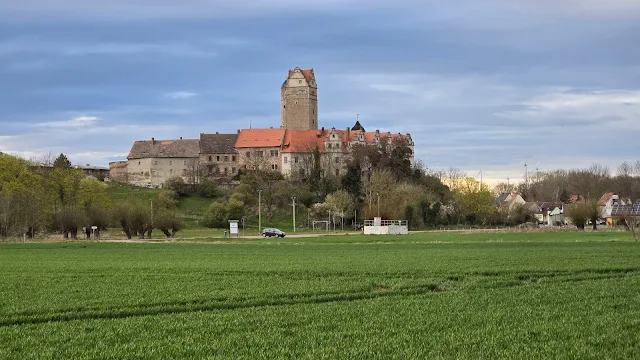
(617, 109)
(25, 45)
(180, 95)
(76, 122)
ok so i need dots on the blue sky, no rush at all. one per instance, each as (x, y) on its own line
(480, 85)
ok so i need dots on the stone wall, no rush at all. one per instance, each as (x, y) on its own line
(118, 172)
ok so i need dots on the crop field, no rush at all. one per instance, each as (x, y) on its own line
(433, 295)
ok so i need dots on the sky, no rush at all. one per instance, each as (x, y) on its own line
(484, 86)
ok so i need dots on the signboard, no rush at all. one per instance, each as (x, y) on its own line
(233, 227)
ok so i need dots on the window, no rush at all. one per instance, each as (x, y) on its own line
(258, 153)
(286, 159)
(226, 158)
(138, 162)
(301, 172)
(170, 162)
(233, 170)
(337, 172)
(209, 158)
(299, 81)
(274, 153)
(248, 154)
(273, 166)
(295, 159)
(337, 160)
(218, 158)
(233, 158)
(276, 166)
(225, 171)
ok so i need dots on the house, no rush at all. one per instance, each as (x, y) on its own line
(549, 213)
(218, 155)
(510, 201)
(607, 202)
(150, 163)
(259, 149)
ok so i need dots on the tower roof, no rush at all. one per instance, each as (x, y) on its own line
(357, 126)
(308, 73)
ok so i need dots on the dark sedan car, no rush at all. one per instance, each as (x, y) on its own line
(270, 232)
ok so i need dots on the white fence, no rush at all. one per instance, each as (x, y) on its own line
(377, 226)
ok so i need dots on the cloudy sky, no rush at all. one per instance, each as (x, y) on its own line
(480, 85)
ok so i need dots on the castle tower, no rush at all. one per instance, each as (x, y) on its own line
(299, 101)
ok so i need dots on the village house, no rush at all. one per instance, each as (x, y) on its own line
(259, 149)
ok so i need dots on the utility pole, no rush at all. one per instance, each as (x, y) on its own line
(259, 213)
(378, 204)
(294, 214)
(342, 220)
(151, 211)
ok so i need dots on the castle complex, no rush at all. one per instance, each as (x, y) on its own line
(287, 149)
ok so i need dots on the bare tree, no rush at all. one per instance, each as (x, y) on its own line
(453, 177)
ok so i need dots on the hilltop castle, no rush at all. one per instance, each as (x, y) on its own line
(286, 149)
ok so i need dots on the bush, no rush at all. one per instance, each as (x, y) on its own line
(176, 184)
(208, 189)
(215, 216)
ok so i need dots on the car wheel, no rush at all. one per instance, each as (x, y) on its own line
(264, 235)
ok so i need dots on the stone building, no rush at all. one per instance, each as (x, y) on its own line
(152, 162)
(259, 149)
(299, 101)
(288, 149)
(218, 155)
(335, 147)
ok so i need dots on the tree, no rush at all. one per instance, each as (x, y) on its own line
(168, 221)
(62, 162)
(502, 188)
(341, 202)
(208, 189)
(216, 215)
(579, 215)
(177, 184)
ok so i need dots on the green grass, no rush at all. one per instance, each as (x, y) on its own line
(434, 295)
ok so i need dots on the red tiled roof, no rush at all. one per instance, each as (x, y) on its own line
(300, 141)
(307, 73)
(605, 198)
(253, 138)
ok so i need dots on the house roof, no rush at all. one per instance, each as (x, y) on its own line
(303, 141)
(575, 199)
(500, 199)
(218, 143)
(544, 206)
(299, 141)
(256, 138)
(605, 198)
(143, 149)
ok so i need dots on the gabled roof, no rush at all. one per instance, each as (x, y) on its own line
(307, 73)
(605, 198)
(143, 149)
(303, 141)
(500, 199)
(218, 143)
(544, 206)
(256, 138)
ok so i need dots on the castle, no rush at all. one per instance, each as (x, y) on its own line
(287, 149)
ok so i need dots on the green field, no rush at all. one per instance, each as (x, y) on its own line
(481, 296)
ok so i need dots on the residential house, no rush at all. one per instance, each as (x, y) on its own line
(549, 213)
(218, 155)
(510, 202)
(607, 203)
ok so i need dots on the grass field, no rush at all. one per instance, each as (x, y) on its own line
(433, 295)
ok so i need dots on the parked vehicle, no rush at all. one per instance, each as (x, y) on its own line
(271, 232)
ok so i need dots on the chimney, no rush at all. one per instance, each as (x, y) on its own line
(180, 137)
(322, 131)
(153, 141)
(270, 127)
(238, 131)
(348, 132)
(217, 133)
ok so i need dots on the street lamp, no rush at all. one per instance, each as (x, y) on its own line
(294, 213)
(259, 213)
(378, 204)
